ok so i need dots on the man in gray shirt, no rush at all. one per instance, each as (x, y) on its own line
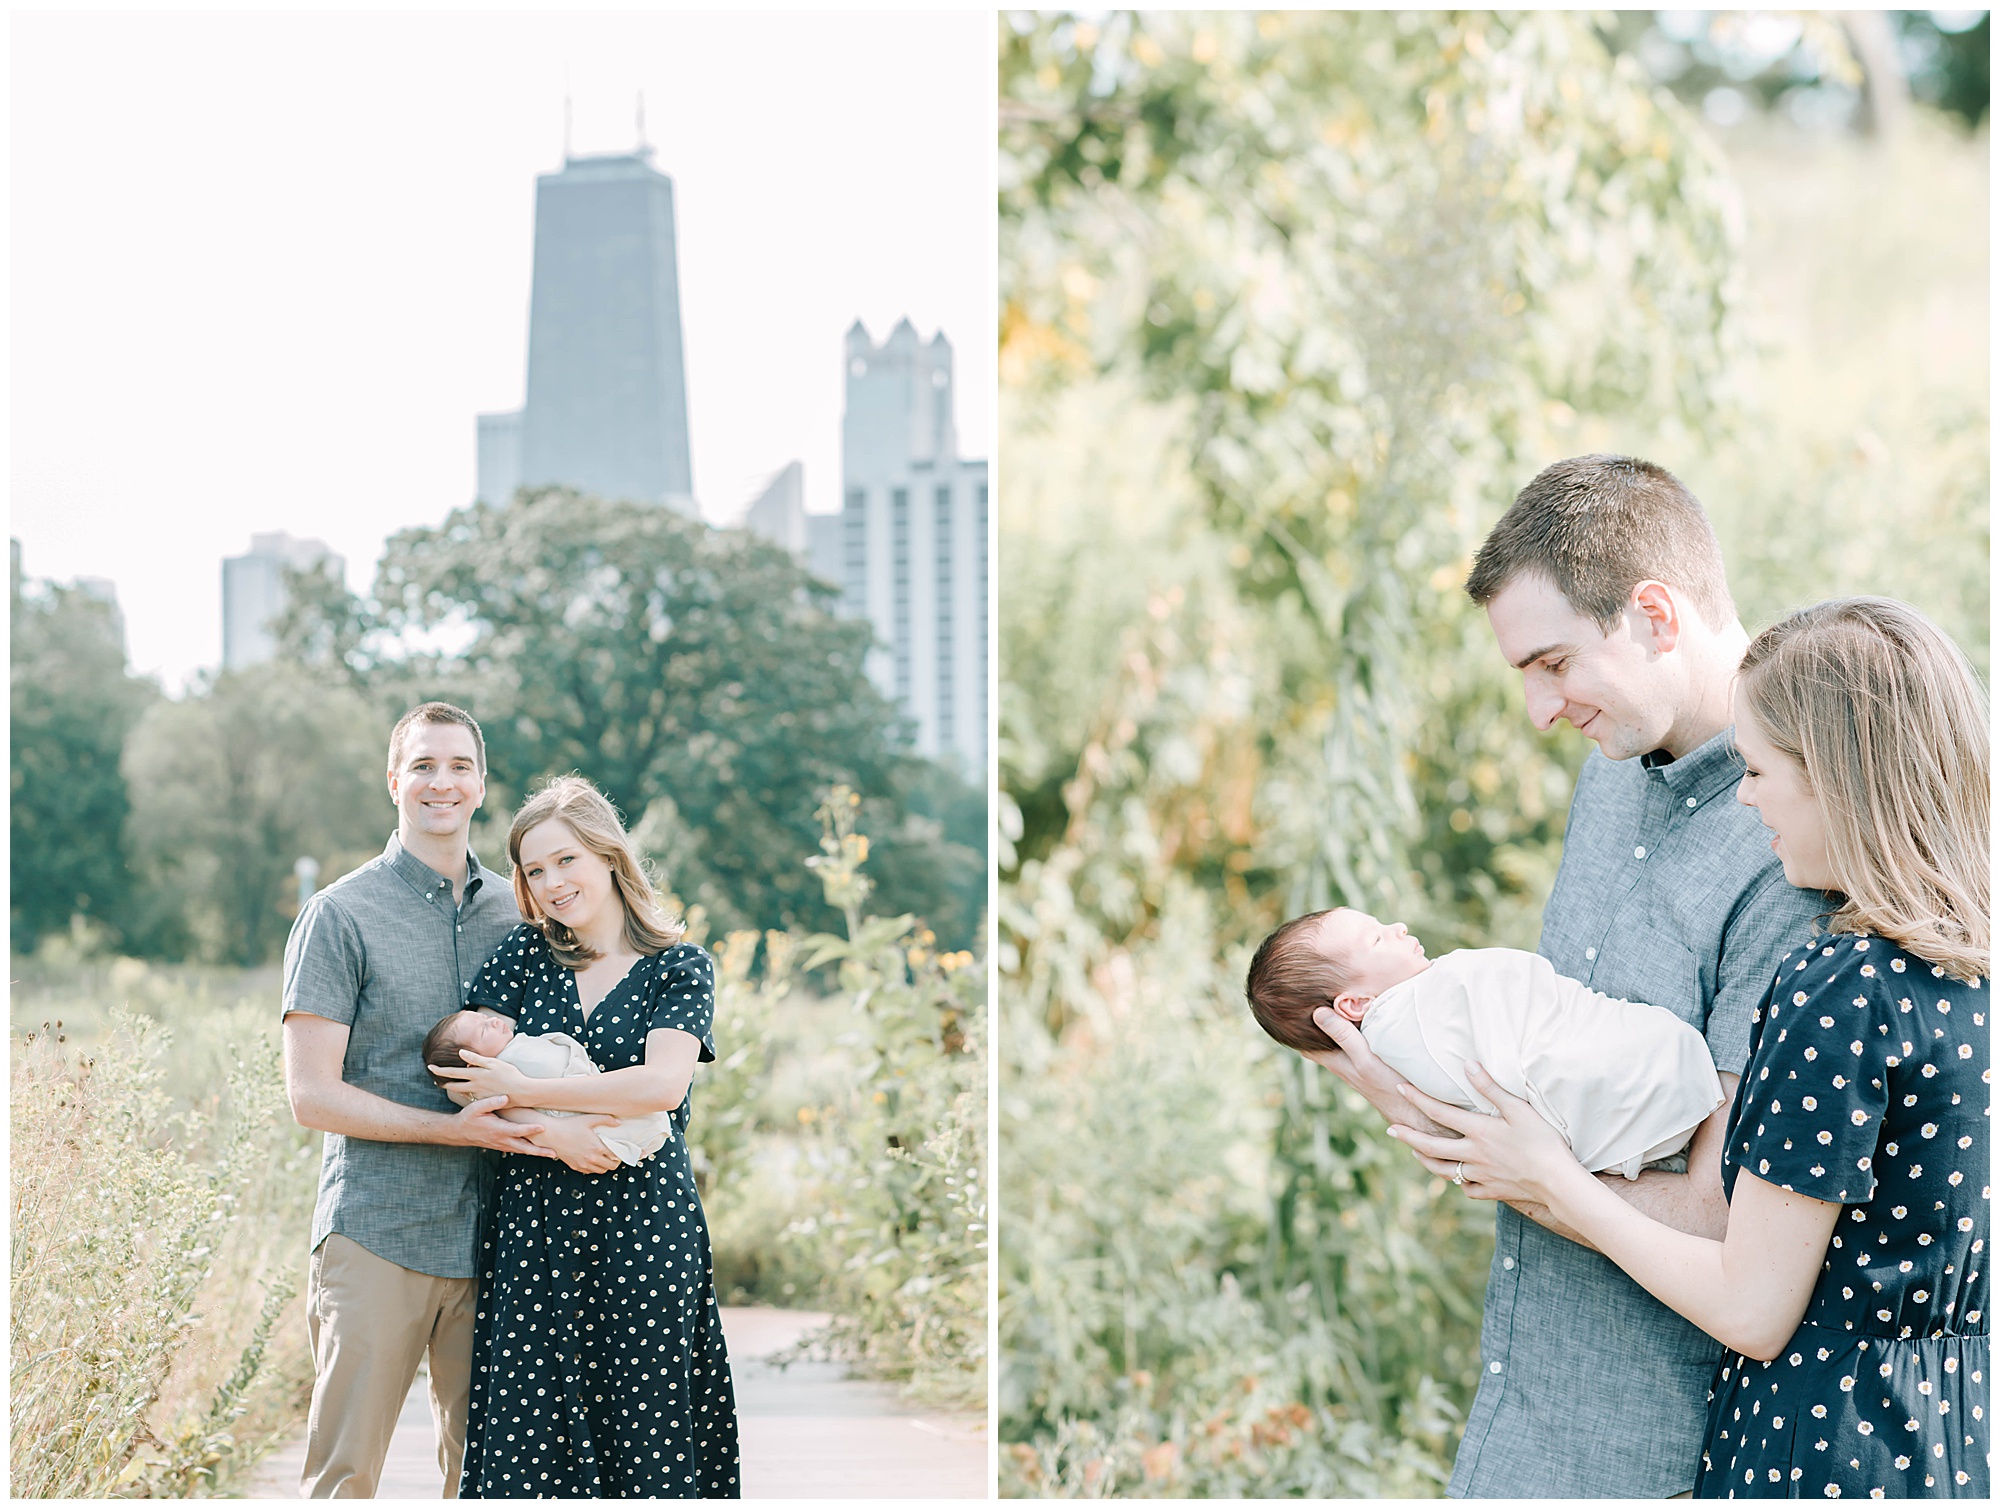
(1605, 588)
(372, 963)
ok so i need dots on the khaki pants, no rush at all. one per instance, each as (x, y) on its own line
(371, 1321)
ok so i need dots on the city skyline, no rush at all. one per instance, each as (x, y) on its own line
(305, 359)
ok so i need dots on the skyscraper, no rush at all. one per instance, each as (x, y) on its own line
(607, 388)
(253, 593)
(913, 539)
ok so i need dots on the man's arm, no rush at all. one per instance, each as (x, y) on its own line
(587, 1154)
(323, 1101)
(1692, 1202)
(660, 1083)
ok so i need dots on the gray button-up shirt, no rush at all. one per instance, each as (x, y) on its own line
(1668, 893)
(384, 951)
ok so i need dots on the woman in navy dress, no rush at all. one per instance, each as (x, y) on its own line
(599, 1369)
(1849, 1290)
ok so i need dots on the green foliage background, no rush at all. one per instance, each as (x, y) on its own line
(698, 675)
(1292, 306)
(156, 1308)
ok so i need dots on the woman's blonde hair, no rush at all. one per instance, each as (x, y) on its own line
(1889, 722)
(588, 813)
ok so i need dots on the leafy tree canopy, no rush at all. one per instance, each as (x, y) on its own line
(71, 705)
(1386, 265)
(697, 675)
(231, 786)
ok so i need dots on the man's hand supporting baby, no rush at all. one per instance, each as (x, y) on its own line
(572, 1137)
(1692, 1202)
(1355, 1065)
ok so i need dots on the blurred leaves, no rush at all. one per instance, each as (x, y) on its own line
(1292, 305)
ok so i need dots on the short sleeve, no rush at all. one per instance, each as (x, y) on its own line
(502, 983)
(684, 995)
(1817, 1085)
(1777, 915)
(325, 963)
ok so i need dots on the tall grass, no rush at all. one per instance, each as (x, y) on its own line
(162, 1198)
(163, 1195)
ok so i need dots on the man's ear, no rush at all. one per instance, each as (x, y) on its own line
(1352, 1005)
(1654, 603)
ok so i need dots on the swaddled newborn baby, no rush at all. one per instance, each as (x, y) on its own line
(1625, 1083)
(551, 1055)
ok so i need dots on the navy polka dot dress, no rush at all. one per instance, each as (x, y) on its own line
(598, 1364)
(1867, 1086)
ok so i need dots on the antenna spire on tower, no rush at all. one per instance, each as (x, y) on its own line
(644, 146)
(566, 116)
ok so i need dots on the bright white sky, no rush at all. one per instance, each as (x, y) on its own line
(267, 267)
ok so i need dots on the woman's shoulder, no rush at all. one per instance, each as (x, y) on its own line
(524, 941)
(679, 960)
(1866, 960)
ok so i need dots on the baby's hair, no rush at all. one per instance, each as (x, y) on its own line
(1290, 979)
(441, 1043)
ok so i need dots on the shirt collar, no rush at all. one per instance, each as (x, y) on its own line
(1701, 772)
(421, 878)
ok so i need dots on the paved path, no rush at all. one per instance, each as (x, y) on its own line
(807, 1431)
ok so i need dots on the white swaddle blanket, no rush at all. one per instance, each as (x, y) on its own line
(1625, 1083)
(557, 1055)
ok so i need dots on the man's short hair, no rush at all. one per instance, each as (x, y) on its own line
(1597, 526)
(434, 712)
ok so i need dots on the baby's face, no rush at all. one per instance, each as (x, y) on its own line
(484, 1032)
(1372, 955)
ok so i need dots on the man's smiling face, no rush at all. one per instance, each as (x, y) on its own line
(438, 784)
(1612, 687)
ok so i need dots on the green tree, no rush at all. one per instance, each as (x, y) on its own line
(235, 782)
(71, 705)
(1332, 287)
(697, 675)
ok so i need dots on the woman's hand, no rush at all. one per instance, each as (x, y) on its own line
(1515, 1156)
(574, 1139)
(485, 1077)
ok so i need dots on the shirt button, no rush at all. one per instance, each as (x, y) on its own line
(1507, 1263)
(1640, 852)
(1590, 953)
(1691, 801)
(1492, 1367)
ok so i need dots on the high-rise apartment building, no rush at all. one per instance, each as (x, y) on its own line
(912, 539)
(606, 408)
(253, 593)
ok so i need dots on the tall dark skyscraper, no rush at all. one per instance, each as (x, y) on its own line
(607, 387)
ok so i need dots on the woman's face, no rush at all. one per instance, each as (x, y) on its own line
(1775, 784)
(567, 881)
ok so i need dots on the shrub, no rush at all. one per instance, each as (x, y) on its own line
(159, 1216)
